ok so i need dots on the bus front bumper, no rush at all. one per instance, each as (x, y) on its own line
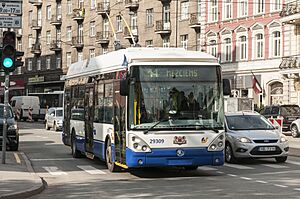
(174, 157)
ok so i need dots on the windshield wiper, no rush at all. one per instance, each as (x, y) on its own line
(157, 123)
(201, 126)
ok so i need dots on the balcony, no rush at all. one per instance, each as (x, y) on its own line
(291, 13)
(163, 27)
(56, 20)
(132, 4)
(103, 8)
(102, 37)
(290, 67)
(19, 33)
(36, 2)
(55, 45)
(36, 25)
(78, 14)
(36, 49)
(77, 42)
(195, 21)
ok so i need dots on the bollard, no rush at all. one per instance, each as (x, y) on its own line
(30, 114)
(18, 114)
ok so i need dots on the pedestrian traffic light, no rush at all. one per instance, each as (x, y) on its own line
(8, 54)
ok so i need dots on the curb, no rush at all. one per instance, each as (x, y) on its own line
(41, 183)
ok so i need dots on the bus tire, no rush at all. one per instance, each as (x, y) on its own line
(112, 167)
(75, 152)
(191, 168)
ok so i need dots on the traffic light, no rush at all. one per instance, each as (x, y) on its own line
(8, 51)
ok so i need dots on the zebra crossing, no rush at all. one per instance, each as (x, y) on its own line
(56, 171)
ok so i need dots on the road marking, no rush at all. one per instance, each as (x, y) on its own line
(275, 166)
(293, 162)
(52, 159)
(205, 168)
(279, 185)
(17, 158)
(260, 181)
(220, 172)
(237, 166)
(231, 175)
(245, 178)
(297, 189)
(53, 143)
(55, 171)
(90, 169)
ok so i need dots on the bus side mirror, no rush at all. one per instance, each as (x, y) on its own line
(124, 87)
(226, 87)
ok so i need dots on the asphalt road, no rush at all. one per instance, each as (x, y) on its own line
(85, 178)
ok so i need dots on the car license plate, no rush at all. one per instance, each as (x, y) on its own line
(272, 148)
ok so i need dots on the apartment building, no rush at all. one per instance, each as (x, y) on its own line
(248, 37)
(58, 33)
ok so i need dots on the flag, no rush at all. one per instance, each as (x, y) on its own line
(125, 62)
(255, 85)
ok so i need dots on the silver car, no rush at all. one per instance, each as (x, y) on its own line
(251, 135)
(54, 118)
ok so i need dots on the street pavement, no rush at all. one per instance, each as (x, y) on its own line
(19, 180)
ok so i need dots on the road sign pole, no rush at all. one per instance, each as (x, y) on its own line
(4, 135)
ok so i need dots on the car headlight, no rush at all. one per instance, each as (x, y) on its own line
(244, 140)
(283, 139)
(12, 127)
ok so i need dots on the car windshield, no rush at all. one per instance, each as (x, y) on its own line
(248, 122)
(288, 110)
(59, 113)
(10, 114)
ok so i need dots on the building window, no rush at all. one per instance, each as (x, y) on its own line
(276, 44)
(79, 56)
(166, 42)
(19, 70)
(69, 33)
(93, 4)
(133, 22)
(213, 11)
(198, 41)
(275, 5)
(227, 50)
(81, 3)
(104, 50)
(69, 59)
(58, 11)
(58, 61)
(92, 29)
(38, 64)
(259, 6)
(69, 6)
(259, 46)
(243, 47)
(48, 37)
(30, 41)
(29, 67)
(149, 43)
(19, 45)
(119, 23)
(212, 49)
(48, 62)
(243, 8)
(227, 9)
(149, 17)
(184, 10)
(184, 41)
(92, 53)
(166, 14)
(48, 9)
(30, 17)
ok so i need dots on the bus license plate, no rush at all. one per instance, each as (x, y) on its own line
(267, 148)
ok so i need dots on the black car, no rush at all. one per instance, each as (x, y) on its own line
(288, 113)
(12, 143)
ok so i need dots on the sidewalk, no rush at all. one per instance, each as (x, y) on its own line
(17, 178)
(294, 144)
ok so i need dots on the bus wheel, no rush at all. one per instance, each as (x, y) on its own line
(191, 168)
(75, 152)
(108, 157)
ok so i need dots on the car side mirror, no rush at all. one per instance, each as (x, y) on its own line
(226, 87)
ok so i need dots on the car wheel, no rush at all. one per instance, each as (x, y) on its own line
(108, 157)
(75, 152)
(294, 131)
(47, 126)
(229, 156)
(14, 146)
(191, 168)
(281, 159)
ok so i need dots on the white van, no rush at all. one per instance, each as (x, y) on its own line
(21, 105)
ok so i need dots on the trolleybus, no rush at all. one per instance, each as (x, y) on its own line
(146, 107)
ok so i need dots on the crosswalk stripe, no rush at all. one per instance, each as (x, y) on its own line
(55, 171)
(205, 168)
(275, 166)
(293, 162)
(91, 170)
(237, 166)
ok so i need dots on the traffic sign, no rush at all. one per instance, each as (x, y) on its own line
(10, 22)
(10, 7)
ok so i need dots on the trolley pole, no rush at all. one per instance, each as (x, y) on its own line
(4, 134)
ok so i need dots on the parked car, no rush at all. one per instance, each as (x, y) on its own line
(288, 113)
(251, 135)
(295, 127)
(54, 118)
(12, 142)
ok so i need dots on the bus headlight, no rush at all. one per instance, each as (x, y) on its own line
(138, 145)
(218, 143)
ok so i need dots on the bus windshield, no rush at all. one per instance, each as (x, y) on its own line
(176, 97)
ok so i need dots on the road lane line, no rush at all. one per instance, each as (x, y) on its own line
(17, 158)
(279, 185)
(91, 170)
(55, 171)
(293, 162)
(245, 178)
(220, 172)
(205, 168)
(297, 189)
(237, 166)
(275, 166)
(231, 175)
(52, 159)
(261, 181)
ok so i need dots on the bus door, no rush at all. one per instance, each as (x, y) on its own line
(119, 125)
(89, 117)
